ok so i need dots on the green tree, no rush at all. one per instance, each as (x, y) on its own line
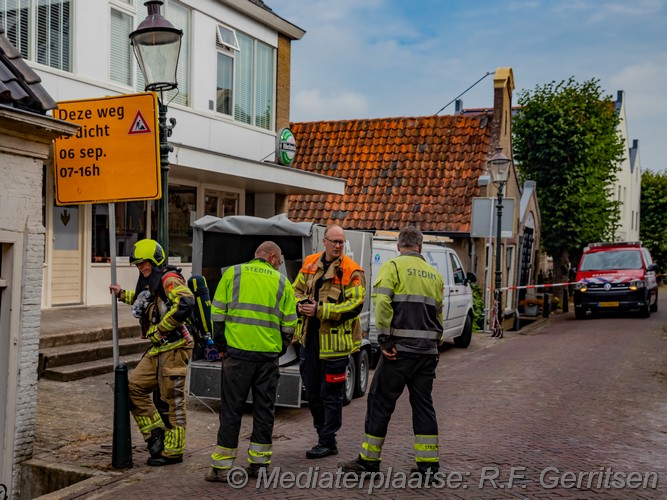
(653, 210)
(565, 139)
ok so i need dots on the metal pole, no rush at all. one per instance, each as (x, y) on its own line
(121, 452)
(163, 203)
(114, 301)
(497, 293)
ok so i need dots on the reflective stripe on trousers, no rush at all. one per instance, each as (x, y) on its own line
(260, 454)
(147, 424)
(426, 448)
(223, 458)
(371, 449)
(174, 441)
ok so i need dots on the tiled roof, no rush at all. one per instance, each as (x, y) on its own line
(420, 170)
(20, 86)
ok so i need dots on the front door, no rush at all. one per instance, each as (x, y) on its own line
(66, 276)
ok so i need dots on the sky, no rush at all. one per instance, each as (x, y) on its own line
(390, 58)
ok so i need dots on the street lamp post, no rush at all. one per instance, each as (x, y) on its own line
(499, 168)
(157, 45)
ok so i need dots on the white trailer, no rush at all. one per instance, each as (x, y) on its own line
(222, 242)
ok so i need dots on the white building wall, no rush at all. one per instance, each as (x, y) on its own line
(627, 188)
(210, 150)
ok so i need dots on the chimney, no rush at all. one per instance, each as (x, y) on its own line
(458, 107)
(501, 127)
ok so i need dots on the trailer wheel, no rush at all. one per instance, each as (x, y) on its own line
(350, 382)
(363, 366)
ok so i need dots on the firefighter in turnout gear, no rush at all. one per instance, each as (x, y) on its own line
(330, 291)
(254, 315)
(407, 299)
(162, 301)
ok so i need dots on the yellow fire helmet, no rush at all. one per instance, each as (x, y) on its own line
(147, 250)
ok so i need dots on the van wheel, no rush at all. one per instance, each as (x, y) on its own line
(645, 310)
(350, 381)
(654, 306)
(363, 366)
(580, 313)
(463, 340)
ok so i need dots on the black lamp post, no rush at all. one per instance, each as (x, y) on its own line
(157, 45)
(499, 168)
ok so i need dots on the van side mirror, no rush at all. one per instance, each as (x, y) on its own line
(470, 278)
(653, 267)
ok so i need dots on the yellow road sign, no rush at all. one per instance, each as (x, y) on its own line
(115, 156)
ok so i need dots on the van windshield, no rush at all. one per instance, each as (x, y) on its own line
(611, 260)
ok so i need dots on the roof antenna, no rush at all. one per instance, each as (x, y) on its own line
(466, 90)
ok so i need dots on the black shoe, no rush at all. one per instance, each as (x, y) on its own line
(320, 451)
(160, 461)
(254, 470)
(358, 467)
(155, 443)
(426, 473)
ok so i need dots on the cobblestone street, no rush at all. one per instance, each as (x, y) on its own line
(568, 409)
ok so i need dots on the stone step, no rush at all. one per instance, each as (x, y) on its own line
(88, 369)
(84, 336)
(90, 351)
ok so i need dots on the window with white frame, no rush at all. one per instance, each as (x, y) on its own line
(178, 15)
(40, 30)
(245, 78)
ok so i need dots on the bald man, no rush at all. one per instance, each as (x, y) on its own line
(330, 290)
(254, 315)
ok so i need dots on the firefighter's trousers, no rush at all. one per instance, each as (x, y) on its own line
(240, 377)
(416, 372)
(324, 380)
(167, 372)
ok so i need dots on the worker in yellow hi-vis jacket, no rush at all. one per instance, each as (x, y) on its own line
(407, 299)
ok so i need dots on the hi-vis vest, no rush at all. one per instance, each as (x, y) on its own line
(256, 303)
(340, 300)
(407, 299)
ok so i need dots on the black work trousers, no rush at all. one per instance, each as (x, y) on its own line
(239, 377)
(324, 380)
(416, 371)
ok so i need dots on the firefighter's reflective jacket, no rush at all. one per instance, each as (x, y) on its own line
(170, 304)
(254, 311)
(407, 300)
(339, 293)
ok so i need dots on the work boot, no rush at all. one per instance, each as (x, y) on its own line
(358, 466)
(155, 443)
(162, 460)
(216, 475)
(254, 470)
(319, 451)
(426, 473)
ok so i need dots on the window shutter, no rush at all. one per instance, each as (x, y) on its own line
(14, 15)
(53, 33)
(264, 84)
(243, 88)
(179, 16)
(121, 51)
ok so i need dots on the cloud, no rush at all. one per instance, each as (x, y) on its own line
(313, 105)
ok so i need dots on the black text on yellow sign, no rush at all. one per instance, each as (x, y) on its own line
(115, 156)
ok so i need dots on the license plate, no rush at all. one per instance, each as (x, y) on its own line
(608, 304)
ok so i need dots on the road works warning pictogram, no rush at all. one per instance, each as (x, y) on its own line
(115, 155)
(139, 125)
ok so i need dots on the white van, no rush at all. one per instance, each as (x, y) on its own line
(457, 314)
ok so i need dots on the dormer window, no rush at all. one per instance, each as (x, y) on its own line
(227, 38)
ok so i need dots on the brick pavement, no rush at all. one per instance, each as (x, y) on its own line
(577, 396)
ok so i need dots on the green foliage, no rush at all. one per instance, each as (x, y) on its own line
(565, 139)
(653, 210)
(477, 308)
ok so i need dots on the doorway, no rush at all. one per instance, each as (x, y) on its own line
(66, 276)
